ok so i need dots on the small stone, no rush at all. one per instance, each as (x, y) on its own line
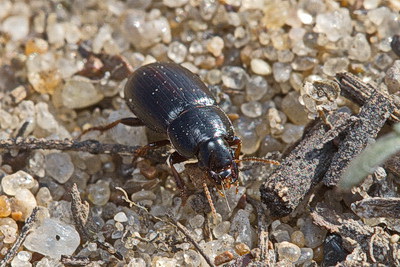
(251, 109)
(208, 9)
(260, 67)
(36, 45)
(59, 166)
(143, 195)
(241, 228)
(234, 77)
(80, 92)
(53, 238)
(382, 61)
(55, 31)
(19, 180)
(335, 65)
(371, 4)
(22, 259)
(137, 262)
(174, 3)
(293, 109)
(45, 81)
(307, 254)
(360, 49)
(99, 193)
(177, 52)
(224, 257)
(297, 238)
(313, 234)
(215, 46)
(126, 135)
(24, 203)
(256, 88)
(285, 56)
(43, 197)
(336, 24)
(304, 63)
(120, 217)
(214, 77)
(221, 229)
(276, 13)
(163, 261)
(45, 120)
(378, 15)
(281, 71)
(16, 26)
(245, 128)
(142, 30)
(392, 77)
(242, 249)
(280, 236)
(5, 206)
(9, 229)
(197, 221)
(19, 93)
(288, 251)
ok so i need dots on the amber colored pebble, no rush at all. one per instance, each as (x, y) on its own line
(148, 171)
(318, 254)
(17, 216)
(242, 249)
(222, 258)
(36, 45)
(5, 206)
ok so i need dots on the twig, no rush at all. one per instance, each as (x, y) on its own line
(191, 240)
(80, 214)
(78, 260)
(90, 146)
(21, 238)
(266, 257)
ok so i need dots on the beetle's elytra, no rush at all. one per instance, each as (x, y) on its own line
(172, 100)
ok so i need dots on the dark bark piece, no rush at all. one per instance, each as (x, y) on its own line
(371, 119)
(377, 207)
(303, 167)
(359, 92)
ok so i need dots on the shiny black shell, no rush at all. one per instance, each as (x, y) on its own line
(170, 99)
(157, 93)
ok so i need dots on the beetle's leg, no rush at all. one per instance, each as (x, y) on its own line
(238, 143)
(126, 121)
(173, 159)
(143, 150)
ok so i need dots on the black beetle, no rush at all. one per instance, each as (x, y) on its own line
(170, 99)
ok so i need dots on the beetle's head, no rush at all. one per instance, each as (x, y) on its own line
(217, 158)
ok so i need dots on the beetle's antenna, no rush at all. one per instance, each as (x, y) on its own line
(210, 202)
(268, 161)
